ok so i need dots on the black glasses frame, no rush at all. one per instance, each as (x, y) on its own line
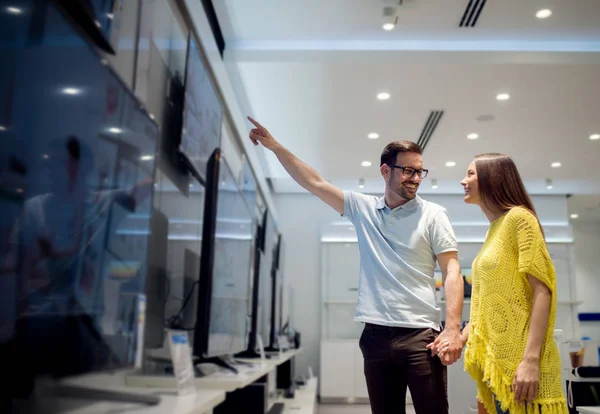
(422, 173)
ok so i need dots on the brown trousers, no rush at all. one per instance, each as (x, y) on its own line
(395, 358)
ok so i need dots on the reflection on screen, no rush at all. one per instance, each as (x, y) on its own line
(76, 169)
(202, 113)
(229, 324)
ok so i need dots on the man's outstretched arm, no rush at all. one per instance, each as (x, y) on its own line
(303, 174)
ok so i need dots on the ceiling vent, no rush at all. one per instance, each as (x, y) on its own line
(432, 122)
(472, 13)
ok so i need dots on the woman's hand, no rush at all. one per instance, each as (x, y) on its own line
(526, 381)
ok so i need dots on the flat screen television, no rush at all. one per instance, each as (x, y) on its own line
(268, 284)
(76, 185)
(222, 324)
(202, 114)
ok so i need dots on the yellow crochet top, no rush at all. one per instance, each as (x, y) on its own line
(501, 303)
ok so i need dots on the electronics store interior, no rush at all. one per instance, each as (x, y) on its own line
(196, 215)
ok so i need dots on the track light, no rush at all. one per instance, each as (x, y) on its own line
(361, 183)
(434, 184)
(549, 184)
(390, 17)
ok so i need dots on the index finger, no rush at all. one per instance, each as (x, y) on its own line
(256, 124)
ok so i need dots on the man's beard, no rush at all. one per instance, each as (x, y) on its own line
(403, 192)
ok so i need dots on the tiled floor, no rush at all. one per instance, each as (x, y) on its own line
(352, 409)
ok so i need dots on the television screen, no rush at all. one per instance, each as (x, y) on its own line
(202, 116)
(233, 248)
(266, 280)
(76, 172)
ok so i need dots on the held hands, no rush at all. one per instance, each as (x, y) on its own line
(448, 346)
(526, 381)
(260, 134)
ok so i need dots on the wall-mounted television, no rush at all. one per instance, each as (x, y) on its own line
(202, 114)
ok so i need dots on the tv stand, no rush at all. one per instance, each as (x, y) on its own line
(250, 354)
(217, 361)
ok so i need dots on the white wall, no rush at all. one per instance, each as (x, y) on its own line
(587, 269)
(303, 216)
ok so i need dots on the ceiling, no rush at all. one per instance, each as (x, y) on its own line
(310, 72)
(585, 207)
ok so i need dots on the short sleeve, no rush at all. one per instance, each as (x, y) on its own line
(350, 205)
(533, 257)
(443, 238)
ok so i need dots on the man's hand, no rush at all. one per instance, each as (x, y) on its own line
(260, 134)
(447, 346)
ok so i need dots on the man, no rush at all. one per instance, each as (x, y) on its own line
(400, 236)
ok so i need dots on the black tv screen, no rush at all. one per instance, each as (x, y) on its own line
(202, 115)
(266, 280)
(76, 171)
(234, 237)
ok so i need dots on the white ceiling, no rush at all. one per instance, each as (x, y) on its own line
(310, 74)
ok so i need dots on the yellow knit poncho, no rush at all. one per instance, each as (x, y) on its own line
(501, 305)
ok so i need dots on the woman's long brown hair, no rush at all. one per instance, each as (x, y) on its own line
(500, 185)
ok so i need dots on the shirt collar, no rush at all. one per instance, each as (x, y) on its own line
(410, 205)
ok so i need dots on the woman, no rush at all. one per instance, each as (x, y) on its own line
(510, 351)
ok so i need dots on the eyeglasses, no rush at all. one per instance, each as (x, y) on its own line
(409, 172)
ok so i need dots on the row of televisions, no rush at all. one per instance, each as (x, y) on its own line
(88, 129)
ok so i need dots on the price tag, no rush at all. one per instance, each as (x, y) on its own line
(261, 347)
(181, 356)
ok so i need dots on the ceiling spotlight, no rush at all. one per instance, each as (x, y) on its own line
(574, 216)
(556, 164)
(390, 18)
(595, 137)
(71, 91)
(503, 97)
(146, 157)
(45, 156)
(383, 96)
(366, 163)
(543, 14)
(434, 184)
(450, 164)
(361, 183)
(472, 136)
(20, 190)
(3, 128)
(549, 184)
(373, 135)
(115, 130)
(14, 10)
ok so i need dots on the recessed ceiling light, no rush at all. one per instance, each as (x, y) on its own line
(3, 128)
(503, 97)
(473, 136)
(45, 156)
(543, 14)
(556, 164)
(434, 184)
(361, 183)
(594, 137)
(366, 163)
(146, 157)
(115, 130)
(14, 10)
(388, 26)
(549, 184)
(574, 216)
(373, 135)
(20, 190)
(383, 96)
(450, 164)
(71, 91)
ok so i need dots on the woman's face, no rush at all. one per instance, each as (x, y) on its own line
(470, 186)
